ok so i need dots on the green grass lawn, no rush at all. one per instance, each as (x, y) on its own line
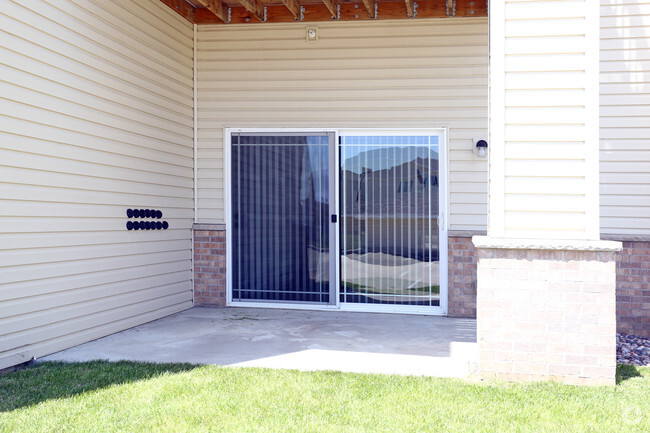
(135, 397)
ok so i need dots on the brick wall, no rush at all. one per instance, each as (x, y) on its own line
(209, 265)
(547, 314)
(632, 277)
(633, 289)
(632, 282)
(210, 270)
(462, 277)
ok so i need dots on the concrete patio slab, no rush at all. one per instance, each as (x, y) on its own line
(295, 339)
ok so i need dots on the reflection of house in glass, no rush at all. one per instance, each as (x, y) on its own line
(393, 210)
(389, 225)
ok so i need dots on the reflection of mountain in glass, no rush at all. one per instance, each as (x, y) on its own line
(386, 157)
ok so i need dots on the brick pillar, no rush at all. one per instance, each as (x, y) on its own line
(546, 283)
(210, 265)
(546, 310)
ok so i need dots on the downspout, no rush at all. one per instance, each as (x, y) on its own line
(195, 114)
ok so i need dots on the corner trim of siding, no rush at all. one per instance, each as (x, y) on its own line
(195, 139)
(195, 121)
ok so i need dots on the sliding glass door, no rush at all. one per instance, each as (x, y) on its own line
(348, 219)
(390, 247)
(280, 217)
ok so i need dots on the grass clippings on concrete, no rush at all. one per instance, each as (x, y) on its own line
(138, 397)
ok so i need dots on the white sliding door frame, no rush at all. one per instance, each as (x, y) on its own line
(299, 305)
(334, 178)
(443, 199)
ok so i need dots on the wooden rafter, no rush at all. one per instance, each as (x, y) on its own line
(217, 7)
(451, 8)
(370, 6)
(331, 6)
(410, 8)
(256, 7)
(325, 11)
(293, 6)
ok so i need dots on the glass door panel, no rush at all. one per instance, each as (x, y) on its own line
(280, 217)
(389, 192)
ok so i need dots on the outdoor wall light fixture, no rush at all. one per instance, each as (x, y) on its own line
(481, 148)
(312, 33)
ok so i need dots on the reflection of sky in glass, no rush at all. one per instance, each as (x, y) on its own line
(369, 142)
(383, 152)
(311, 139)
(390, 139)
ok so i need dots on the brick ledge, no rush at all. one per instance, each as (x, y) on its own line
(465, 233)
(625, 238)
(208, 226)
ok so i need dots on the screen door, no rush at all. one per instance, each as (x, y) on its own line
(280, 217)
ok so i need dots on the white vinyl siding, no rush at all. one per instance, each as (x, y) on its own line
(95, 117)
(544, 92)
(388, 74)
(625, 117)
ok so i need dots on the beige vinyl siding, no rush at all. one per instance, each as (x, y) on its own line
(400, 74)
(625, 117)
(543, 107)
(95, 117)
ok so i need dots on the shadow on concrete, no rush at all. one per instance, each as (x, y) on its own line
(56, 380)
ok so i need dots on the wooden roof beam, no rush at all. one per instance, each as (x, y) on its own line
(333, 8)
(371, 6)
(451, 8)
(410, 8)
(294, 7)
(219, 8)
(256, 7)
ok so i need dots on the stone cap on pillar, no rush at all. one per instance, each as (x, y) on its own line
(487, 242)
